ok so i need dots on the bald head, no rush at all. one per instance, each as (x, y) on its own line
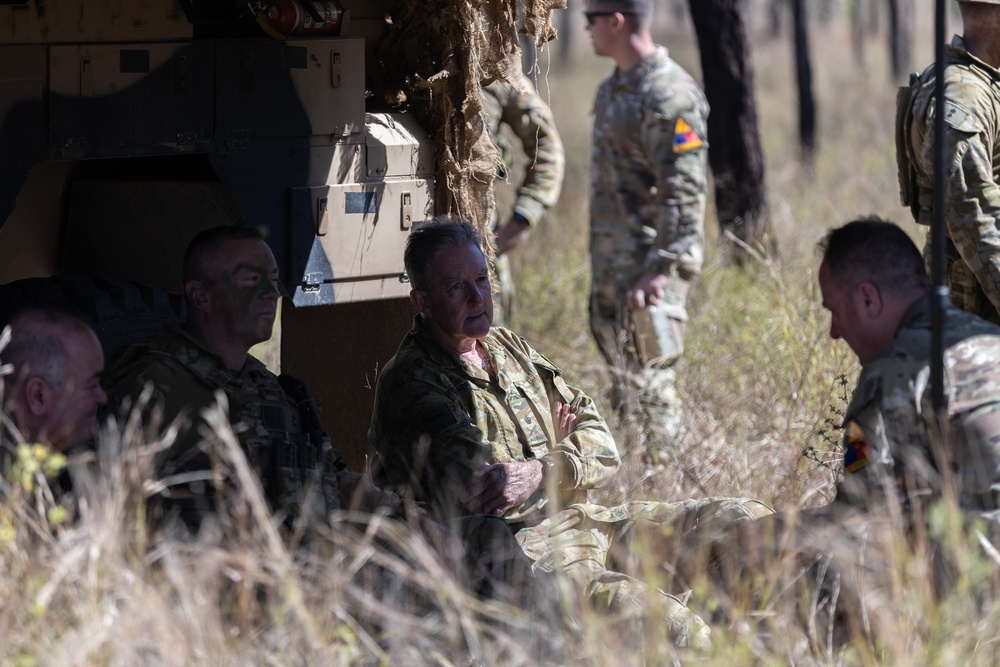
(54, 390)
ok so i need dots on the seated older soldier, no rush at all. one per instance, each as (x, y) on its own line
(470, 418)
(53, 391)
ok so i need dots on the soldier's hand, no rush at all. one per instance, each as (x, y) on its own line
(506, 485)
(511, 235)
(564, 419)
(647, 291)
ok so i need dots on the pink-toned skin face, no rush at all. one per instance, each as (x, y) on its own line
(851, 314)
(457, 305)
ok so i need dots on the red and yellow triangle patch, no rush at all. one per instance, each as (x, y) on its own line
(685, 138)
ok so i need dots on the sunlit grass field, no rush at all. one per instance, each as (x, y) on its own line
(762, 385)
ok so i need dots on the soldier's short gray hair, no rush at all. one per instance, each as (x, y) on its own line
(429, 239)
(876, 251)
(38, 343)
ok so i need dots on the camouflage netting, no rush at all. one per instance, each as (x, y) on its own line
(434, 59)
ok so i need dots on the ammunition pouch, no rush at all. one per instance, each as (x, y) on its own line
(308, 456)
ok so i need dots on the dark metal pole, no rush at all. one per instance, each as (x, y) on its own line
(938, 240)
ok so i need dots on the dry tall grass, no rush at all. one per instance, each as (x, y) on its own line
(761, 381)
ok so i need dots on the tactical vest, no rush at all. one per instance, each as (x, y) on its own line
(920, 199)
(282, 444)
(905, 97)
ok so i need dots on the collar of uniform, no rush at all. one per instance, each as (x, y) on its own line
(958, 49)
(642, 67)
(442, 356)
(917, 315)
(173, 339)
(438, 353)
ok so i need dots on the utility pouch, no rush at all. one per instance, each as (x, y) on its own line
(658, 333)
(908, 193)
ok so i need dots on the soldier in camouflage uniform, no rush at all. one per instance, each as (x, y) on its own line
(897, 458)
(876, 288)
(230, 279)
(647, 210)
(53, 391)
(972, 157)
(471, 418)
(518, 107)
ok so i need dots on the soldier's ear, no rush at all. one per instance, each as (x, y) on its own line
(196, 294)
(871, 298)
(36, 396)
(419, 300)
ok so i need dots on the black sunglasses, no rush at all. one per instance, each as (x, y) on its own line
(590, 16)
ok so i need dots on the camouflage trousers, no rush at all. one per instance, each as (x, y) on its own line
(640, 348)
(607, 551)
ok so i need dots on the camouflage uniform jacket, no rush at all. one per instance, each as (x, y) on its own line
(185, 378)
(439, 420)
(889, 426)
(649, 171)
(530, 120)
(972, 156)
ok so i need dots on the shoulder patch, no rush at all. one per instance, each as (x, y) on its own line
(960, 118)
(685, 138)
(857, 450)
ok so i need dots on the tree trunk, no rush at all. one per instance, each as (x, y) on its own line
(826, 8)
(679, 10)
(734, 152)
(569, 27)
(900, 38)
(858, 33)
(775, 10)
(803, 80)
(874, 14)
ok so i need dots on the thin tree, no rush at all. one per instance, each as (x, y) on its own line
(858, 33)
(734, 152)
(874, 16)
(775, 12)
(803, 79)
(900, 37)
(569, 30)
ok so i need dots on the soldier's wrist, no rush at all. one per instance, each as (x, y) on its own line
(520, 218)
(550, 472)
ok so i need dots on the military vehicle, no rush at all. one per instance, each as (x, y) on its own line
(126, 126)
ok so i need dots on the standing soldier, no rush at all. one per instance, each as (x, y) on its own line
(518, 106)
(972, 157)
(647, 210)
